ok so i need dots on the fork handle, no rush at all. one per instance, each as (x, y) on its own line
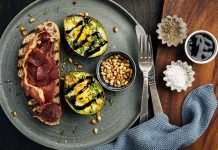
(144, 102)
(157, 108)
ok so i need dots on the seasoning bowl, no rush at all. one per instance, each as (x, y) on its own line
(172, 30)
(108, 85)
(202, 45)
(179, 76)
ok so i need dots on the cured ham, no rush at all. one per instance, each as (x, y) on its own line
(39, 71)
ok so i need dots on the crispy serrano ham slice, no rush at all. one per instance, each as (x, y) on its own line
(39, 61)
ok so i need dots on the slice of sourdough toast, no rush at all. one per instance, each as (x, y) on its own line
(39, 71)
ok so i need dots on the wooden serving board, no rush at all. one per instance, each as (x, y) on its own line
(198, 14)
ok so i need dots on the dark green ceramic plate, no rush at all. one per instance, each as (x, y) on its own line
(74, 131)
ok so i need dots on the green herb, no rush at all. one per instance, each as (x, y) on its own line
(111, 102)
(101, 40)
(82, 49)
(46, 11)
(20, 25)
(92, 110)
(8, 81)
(71, 44)
(82, 77)
(95, 38)
(30, 15)
(65, 59)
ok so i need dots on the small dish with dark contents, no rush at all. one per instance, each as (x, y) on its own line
(201, 47)
(116, 71)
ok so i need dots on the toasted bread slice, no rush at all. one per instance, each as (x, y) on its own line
(39, 63)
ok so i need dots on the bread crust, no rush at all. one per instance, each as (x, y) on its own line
(29, 42)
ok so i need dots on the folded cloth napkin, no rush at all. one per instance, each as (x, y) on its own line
(158, 134)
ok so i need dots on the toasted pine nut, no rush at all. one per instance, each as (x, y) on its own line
(99, 118)
(32, 20)
(94, 121)
(95, 130)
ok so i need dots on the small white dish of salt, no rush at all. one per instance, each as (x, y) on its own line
(179, 76)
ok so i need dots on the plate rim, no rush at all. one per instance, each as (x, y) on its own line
(2, 96)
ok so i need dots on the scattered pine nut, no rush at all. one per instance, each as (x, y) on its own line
(25, 33)
(116, 29)
(82, 14)
(62, 78)
(96, 45)
(70, 60)
(89, 38)
(79, 66)
(39, 42)
(95, 130)
(98, 114)
(86, 14)
(94, 121)
(99, 118)
(22, 28)
(32, 20)
(30, 103)
(14, 113)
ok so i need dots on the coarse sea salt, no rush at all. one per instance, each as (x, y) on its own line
(177, 75)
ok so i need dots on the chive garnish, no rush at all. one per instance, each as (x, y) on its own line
(30, 15)
(20, 25)
(7, 81)
(111, 102)
(46, 11)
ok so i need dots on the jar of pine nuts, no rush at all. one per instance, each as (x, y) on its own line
(116, 71)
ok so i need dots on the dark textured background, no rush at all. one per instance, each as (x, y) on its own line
(147, 12)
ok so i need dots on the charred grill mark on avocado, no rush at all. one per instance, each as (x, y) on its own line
(91, 81)
(76, 45)
(83, 93)
(72, 100)
(80, 23)
(78, 29)
(71, 87)
(92, 50)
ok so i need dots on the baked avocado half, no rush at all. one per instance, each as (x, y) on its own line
(85, 35)
(83, 93)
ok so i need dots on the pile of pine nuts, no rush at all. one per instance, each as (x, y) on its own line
(116, 71)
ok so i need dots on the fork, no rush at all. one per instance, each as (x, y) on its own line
(145, 65)
(157, 108)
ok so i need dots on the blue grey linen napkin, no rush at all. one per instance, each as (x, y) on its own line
(158, 134)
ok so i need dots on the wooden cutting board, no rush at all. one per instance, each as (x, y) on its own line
(198, 14)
